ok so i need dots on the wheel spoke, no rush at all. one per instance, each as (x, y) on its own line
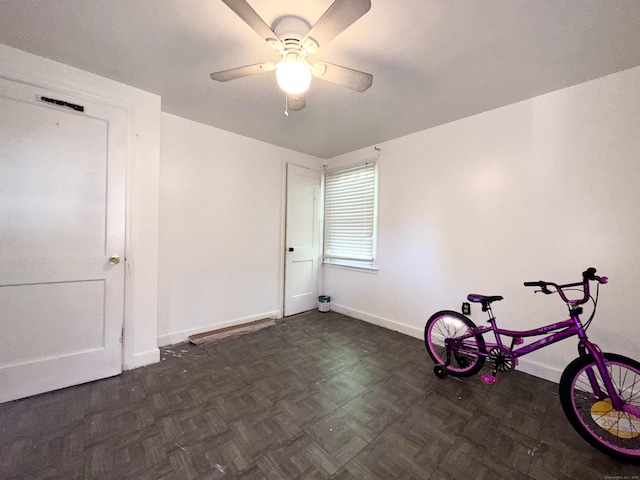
(585, 383)
(623, 386)
(464, 359)
(614, 431)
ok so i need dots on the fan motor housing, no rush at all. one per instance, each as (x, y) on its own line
(291, 27)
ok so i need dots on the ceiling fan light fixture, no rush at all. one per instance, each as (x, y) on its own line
(294, 40)
(294, 75)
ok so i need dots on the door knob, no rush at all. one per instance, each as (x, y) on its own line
(291, 249)
(114, 259)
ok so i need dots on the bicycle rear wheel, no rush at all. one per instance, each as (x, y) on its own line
(613, 432)
(448, 324)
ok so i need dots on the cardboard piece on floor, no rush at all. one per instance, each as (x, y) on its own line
(215, 336)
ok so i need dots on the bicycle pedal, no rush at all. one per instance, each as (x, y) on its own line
(488, 379)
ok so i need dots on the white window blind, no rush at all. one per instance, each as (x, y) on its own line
(350, 216)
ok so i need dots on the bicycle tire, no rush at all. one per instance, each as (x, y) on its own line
(449, 324)
(614, 433)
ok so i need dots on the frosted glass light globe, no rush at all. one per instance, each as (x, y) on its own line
(293, 76)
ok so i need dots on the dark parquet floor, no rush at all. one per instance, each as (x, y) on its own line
(318, 396)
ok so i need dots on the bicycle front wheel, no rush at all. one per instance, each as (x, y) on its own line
(467, 360)
(586, 404)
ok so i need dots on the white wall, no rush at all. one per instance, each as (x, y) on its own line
(143, 110)
(221, 228)
(540, 189)
(536, 190)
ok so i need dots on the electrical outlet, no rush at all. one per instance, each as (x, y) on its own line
(466, 308)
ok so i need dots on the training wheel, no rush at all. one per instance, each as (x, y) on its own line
(440, 371)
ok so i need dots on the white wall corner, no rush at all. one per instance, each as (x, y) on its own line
(209, 275)
(558, 170)
(143, 196)
(140, 359)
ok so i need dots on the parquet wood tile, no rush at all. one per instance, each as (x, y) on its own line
(292, 357)
(115, 393)
(316, 396)
(389, 456)
(466, 460)
(301, 459)
(339, 388)
(374, 412)
(242, 402)
(28, 455)
(194, 424)
(502, 443)
(266, 430)
(262, 367)
(281, 385)
(125, 453)
(225, 383)
(304, 409)
(364, 373)
(424, 428)
(56, 411)
(219, 456)
(102, 425)
(341, 435)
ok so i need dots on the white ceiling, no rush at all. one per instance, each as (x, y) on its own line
(433, 61)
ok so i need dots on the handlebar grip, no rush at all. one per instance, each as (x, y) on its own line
(589, 274)
(539, 283)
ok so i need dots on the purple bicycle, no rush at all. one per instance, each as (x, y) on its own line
(599, 392)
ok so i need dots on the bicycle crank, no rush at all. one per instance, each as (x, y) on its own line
(502, 359)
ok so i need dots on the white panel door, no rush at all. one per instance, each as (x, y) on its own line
(302, 239)
(62, 214)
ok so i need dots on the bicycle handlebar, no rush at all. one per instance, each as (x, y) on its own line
(587, 275)
(590, 274)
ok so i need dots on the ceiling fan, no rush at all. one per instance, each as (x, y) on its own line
(294, 40)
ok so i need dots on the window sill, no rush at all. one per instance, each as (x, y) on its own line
(352, 266)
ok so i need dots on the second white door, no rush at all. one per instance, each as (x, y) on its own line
(302, 239)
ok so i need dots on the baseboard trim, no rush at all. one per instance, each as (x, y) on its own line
(143, 358)
(183, 335)
(537, 370)
(380, 321)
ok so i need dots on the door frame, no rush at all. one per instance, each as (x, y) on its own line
(139, 331)
(283, 231)
(111, 362)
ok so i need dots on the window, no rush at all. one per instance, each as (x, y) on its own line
(350, 216)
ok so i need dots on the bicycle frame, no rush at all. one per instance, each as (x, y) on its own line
(567, 328)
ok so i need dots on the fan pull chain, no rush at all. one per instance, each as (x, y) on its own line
(286, 105)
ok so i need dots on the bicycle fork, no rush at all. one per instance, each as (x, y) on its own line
(585, 347)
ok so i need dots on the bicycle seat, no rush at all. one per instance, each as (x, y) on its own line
(475, 298)
(485, 300)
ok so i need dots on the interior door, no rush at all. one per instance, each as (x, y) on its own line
(302, 239)
(62, 216)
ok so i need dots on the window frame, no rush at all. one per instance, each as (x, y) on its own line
(351, 263)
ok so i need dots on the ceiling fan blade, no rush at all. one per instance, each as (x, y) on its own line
(353, 79)
(296, 101)
(337, 18)
(251, 18)
(232, 74)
